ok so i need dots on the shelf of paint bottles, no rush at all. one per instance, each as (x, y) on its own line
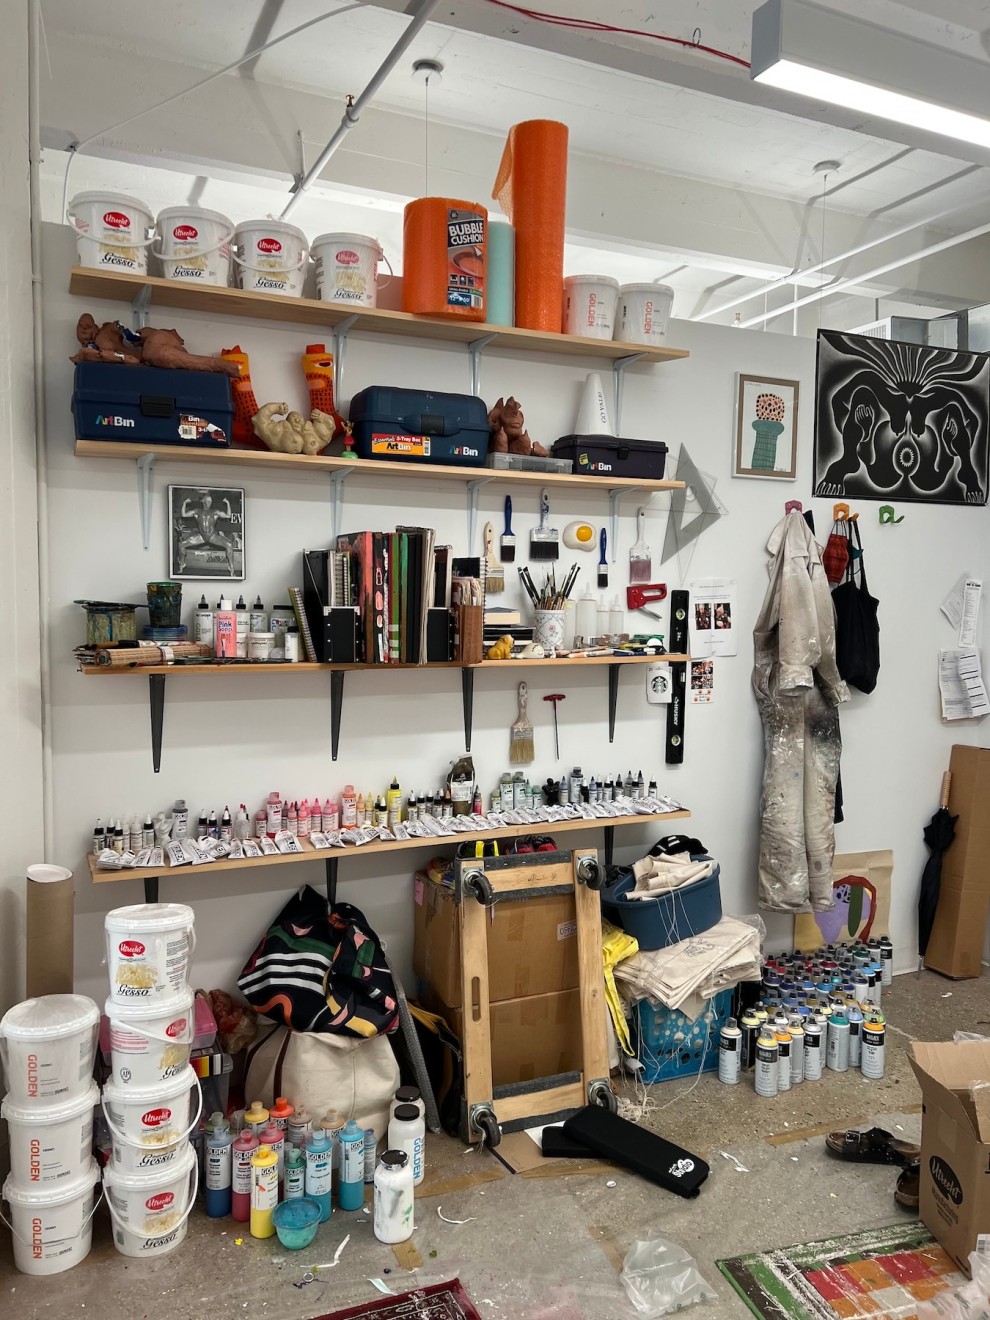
(158, 674)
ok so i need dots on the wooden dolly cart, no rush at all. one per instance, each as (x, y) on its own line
(480, 884)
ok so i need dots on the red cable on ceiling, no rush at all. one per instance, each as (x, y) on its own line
(591, 25)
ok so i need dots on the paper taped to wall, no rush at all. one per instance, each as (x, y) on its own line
(960, 684)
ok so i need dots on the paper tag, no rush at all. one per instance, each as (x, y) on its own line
(420, 892)
(566, 930)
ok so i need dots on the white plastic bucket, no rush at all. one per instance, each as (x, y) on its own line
(50, 1144)
(644, 313)
(150, 1127)
(150, 1043)
(148, 950)
(112, 231)
(48, 1046)
(194, 245)
(52, 1226)
(347, 268)
(589, 306)
(271, 257)
(150, 1210)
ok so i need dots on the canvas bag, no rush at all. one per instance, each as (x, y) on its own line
(857, 628)
(357, 1078)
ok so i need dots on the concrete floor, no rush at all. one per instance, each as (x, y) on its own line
(550, 1243)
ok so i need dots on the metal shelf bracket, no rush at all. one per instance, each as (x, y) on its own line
(473, 487)
(336, 708)
(337, 480)
(618, 381)
(338, 344)
(613, 698)
(467, 698)
(156, 692)
(614, 501)
(475, 350)
(140, 304)
(145, 477)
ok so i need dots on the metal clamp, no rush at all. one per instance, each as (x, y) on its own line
(618, 383)
(475, 349)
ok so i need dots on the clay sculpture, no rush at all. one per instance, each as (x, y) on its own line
(149, 347)
(166, 348)
(109, 342)
(508, 430)
(288, 432)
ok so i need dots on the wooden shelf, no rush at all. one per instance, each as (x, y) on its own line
(116, 287)
(306, 667)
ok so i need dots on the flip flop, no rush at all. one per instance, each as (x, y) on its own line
(875, 1146)
(908, 1187)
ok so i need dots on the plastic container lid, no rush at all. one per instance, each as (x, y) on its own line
(590, 279)
(49, 1017)
(102, 194)
(52, 1193)
(47, 1114)
(646, 288)
(150, 917)
(340, 239)
(407, 1114)
(139, 1182)
(152, 1095)
(177, 211)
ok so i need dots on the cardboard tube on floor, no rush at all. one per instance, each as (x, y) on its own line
(50, 913)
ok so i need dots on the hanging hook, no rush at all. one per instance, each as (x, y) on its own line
(840, 513)
(793, 506)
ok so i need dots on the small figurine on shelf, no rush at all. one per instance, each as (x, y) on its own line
(288, 432)
(508, 431)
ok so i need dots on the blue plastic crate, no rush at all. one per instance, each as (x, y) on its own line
(669, 1045)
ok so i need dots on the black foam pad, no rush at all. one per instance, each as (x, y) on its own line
(635, 1148)
(557, 1145)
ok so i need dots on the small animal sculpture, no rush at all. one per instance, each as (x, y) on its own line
(109, 342)
(166, 348)
(508, 430)
(287, 432)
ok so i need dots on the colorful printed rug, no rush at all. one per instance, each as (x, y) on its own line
(441, 1301)
(880, 1273)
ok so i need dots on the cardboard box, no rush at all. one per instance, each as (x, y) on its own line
(955, 1143)
(532, 945)
(956, 945)
(539, 1036)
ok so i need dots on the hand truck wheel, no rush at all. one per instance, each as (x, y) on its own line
(600, 1093)
(590, 873)
(487, 1125)
(476, 883)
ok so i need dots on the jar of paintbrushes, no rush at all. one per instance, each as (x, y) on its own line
(549, 606)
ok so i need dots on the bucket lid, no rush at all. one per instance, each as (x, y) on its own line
(150, 917)
(45, 1114)
(173, 1006)
(175, 212)
(49, 1017)
(274, 227)
(145, 1181)
(665, 289)
(149, 1096)
(52, 1193)
(116, 198)
(591, 279)
(348, 238)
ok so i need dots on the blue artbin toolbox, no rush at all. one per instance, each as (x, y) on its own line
(669, 1045)
(150, 405)
(414, 426)
(672, 916)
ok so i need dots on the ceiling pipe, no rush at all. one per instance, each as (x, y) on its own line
(834, 261)
(353, 112)
(855, 281)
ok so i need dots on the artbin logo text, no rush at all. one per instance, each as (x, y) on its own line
(114, 421)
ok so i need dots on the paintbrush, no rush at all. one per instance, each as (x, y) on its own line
(640, 560)
(507, 542)
(494, 576)
(602, 561)
(544, 541)
(529, 586)
(521, 750)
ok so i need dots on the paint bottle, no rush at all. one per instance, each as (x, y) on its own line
(394, 802)
(407, 1131)
(273, 1137)
(381, 811)
(412, 815)
(331, 816)
(292, 824)
(244, 1146)
(298, 1126)
(242, 626)
(640, 785)
(394, 1218)
(219, 1162)
(212, 828)
(264, 1192)
(294, 1173)
(407, 1095)
(99, 837)
(796, 1030)
(305, 819)
(148, 839)
(226, 827)
(602, 617)
(348, 808)
(316, 817)
(261, 822)
(813, 1050)
(225, 630)
(575, 785)
(783, 1060)
(855, 1016)
(281, 1114)
(201, 829)
(242, 824)
(124, 830)
(203, 624)
(750, 1028)
(350, 1179)
(319, 1172)
(274, 815)
(729, 1047)
(837, 1046)
(359, 810)
(292, 655)
(872, 1057)
(258, 618)
(256, 1118)
(766, 1064)
(370, 1155)
(332, 1124)
(180, 819)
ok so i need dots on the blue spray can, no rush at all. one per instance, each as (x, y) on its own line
(319, 1172)
(350, 1188)
(219, 1170)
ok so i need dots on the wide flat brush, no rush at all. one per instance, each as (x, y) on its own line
(521, 749)
(640, 559)
(507, 541)
(544, 541)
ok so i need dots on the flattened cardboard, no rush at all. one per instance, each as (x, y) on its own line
(538, 1036)
(956, 945)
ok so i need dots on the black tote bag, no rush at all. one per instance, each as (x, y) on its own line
(857, 628)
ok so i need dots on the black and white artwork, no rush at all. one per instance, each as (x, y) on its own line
(206, 533)
(900, 421)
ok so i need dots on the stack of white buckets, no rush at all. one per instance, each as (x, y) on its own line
(48, 1046)
(152, 1101)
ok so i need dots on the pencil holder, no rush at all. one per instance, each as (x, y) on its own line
(549, 630)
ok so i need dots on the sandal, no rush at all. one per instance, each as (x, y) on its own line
(908, 1187)
(873, 1147)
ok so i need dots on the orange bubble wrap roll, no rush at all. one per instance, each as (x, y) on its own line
(444, 258)
(531, 188)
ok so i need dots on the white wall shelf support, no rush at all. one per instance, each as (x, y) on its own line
(139, 307)
(614, 500)
(338, 344)
(473, 489)
(475, 350)
(618, 382)
(145, 480)
(337, 480)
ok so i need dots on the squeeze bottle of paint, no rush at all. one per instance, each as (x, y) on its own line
(281, 1113)
(242, 824)
(359, 810)
(394, 1202)
(331, 816)
(243, 625)
(350, 1182)
(258, 618)
(243, 1148)
(317, 365)
(407, 1131)
(293, 822)
(394, 803)
(298, 1126)
(332, 1124)
(203, 624)
(261, 822)
(316, 817)
(226, 828)
(295, 1173)
(319, 1172)
(225, 630)
(218, 1170)
(304, 820)
(256, 1117)
(348, 807)
(273, 1137)
(264, 1191)
(292, 655)
(274, 814)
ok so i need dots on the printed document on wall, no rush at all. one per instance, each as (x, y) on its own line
(714, 625)
(960, 684)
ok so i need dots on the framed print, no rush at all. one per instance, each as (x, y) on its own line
(206, 533)
(766, 428)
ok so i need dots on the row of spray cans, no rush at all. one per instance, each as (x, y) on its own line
(786, 1049)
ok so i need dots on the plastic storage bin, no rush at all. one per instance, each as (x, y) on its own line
(669, 918)
(669, 1045)
(609, 456)
(413, 426)
(152, 405)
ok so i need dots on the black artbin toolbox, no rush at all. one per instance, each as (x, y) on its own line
(111, 401)
(610, 456)
(413, 426)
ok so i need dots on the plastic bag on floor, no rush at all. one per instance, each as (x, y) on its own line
(660, 1278)
(970, 1302)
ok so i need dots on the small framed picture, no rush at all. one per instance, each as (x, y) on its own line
(766, 428)
(206, 533)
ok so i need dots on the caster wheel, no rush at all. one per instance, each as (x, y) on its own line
(476, 883)
(590, 873)
(488, 1126)
(604, 1095)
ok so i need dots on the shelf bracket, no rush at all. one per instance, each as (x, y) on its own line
(338, 343)
(475, 350)
(145, 478)
(473, 487)
(614, 500)
(618, 383)
(151, 888)
(331, 865)
(467, 698)
(337, 480)
(336, 707)
(609, 844)
(613, 698)
(156, 692)
(139, 307)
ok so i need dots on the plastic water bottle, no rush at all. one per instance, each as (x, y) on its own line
(407, 1132)
(319, 1172)
(394, 1219)
(295, 1173)
(218, 1170)
(350, 1185)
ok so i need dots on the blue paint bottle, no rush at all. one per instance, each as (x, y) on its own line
(319, 1172)
(218, 1170)
(350, 1187)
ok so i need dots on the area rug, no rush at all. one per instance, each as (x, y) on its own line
(441, 1301)
(880, 1273)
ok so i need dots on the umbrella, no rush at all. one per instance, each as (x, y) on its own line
(939, 833)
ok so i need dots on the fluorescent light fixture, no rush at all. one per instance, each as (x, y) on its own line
(827, 56)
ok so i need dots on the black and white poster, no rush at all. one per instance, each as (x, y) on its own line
(898, 421)
(206, 533)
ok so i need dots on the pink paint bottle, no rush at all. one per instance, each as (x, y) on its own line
(274, 1137)
(240, 1201)
(292, 823)
(273, 822)
(304, 819)
(261, 823)
(225, 630)
(331, 816)
(316, 817)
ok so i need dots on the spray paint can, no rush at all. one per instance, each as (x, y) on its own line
(219, 1170)
(873, 1050)
(240, 1200)
(295, 1173)
(861, 986)
(350, 1183)
(783, 1060)
(837, 1047)
(370, 1156)
(750, 1028)
(767, 1052)
(729, 1049)
(855, 1016)
(813, 1050)
(876, 968)
(796, 1032)
(319, 1172)
(264, 1191)
(886, 952)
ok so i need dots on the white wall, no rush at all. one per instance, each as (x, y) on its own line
(233, 741)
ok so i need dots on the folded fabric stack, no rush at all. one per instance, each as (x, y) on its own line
(658, 875)
(684, 975)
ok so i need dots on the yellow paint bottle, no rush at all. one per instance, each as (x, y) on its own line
(264, 1191)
